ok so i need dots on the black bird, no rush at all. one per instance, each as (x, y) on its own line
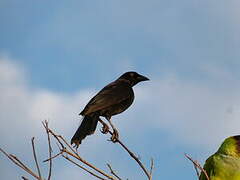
(113, 99)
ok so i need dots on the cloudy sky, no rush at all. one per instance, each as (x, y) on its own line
(55, 55)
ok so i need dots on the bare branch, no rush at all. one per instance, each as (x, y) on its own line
(45, 124)
(112, 172)
(16, 161)
(25, 167)
(9, 157)
(151, 167)
(53, 157)
(24, 178)
(132, 155)
(67, 152)
(136, 159)
(93, 174)
(55, 136)
(197, 166)
(68, 145)
(75, 154)
(197, 171)
(88, 164)
(35, 158)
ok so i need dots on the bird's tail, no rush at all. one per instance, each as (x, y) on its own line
(87, 127)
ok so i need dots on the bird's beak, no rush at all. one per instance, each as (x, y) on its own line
(142, 78)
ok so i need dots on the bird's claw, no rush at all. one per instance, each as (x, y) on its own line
(115, 136)
(75, 144)
(105, 128)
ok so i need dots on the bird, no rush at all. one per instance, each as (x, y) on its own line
(225, 163)
(113, 99)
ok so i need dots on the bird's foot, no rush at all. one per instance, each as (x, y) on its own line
(105, 128)
(75, 144)
(115, 136)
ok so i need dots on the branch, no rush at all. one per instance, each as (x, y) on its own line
(61, 141)
(65, 150)
(112, 172)
(151, 167)
(35, 158)
(135, 158)
(50, 159)
(197, 166)
(45, 124)
(24, 178)
(131, 154)
(16, 161)
(88, 164)
(93, 174)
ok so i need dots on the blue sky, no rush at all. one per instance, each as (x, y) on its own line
(55, 55)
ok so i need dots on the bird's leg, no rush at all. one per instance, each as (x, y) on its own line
(105, 127)
(115, 134)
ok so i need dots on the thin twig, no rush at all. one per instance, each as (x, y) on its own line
(35, 158)
(151, 167)
(53, 157)
(112, 172)
(70, 147)
(9, 157)
(45, 124)
(93, 174)
(133, 156)
(24, 178)
(16, 161)
(197, 171)
(56, 137)
(88, 164)
(197, 166)
(23, 166)
(75, 154)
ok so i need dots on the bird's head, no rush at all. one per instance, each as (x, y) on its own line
(231, 146)
(133, 77)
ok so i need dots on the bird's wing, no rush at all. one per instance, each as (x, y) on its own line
(112, 94)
